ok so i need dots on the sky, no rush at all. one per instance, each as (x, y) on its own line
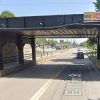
(47, 7)
(76, 40)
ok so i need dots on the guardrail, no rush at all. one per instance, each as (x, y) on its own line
(92, 53)
(92, 56)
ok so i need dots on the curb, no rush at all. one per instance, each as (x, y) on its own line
(16, 68)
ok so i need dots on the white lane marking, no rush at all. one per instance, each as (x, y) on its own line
(41, 91)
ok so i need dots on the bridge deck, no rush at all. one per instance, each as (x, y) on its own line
(50, 26)
(70, 31)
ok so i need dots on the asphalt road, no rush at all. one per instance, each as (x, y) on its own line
(60, 78)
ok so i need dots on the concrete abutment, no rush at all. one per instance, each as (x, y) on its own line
(11, 47)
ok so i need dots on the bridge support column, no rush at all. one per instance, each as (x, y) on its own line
(20, 49)
(33, 50)
(1, 59)
(98, 48)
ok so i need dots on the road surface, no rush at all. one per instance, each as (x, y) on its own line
(60, 78)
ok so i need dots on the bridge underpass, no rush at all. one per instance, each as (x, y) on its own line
(26, 85)
(22, 30)
(59, 78)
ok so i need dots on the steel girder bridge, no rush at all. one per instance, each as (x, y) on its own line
(21, 30)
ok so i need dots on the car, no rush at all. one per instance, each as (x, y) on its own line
(80, 55)
(78, 50)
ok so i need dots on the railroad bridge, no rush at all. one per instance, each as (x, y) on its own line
(16, 32)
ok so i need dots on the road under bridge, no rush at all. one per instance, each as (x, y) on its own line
(22, 30)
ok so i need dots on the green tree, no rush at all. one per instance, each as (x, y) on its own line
(97, 4)
(52, 43)
(67, 44)
(40, 41)
(6, 14)
(84, 44)
(92, 42)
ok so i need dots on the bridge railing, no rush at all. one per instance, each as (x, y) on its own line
(92, 56)
(92, 53)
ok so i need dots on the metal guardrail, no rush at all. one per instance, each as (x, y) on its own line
(93, 56)
(92, 53)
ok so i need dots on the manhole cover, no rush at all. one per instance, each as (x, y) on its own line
(72, 92)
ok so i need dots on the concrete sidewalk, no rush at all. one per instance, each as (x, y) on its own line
(15, 66)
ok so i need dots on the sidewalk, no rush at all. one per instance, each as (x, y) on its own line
(47, 57)
(15, 66)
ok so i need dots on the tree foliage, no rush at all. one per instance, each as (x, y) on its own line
(92, 42)
(6, 14)
(84, 44)
(67, 44)
(97, 4)
(52, 43)
(39, 41)
(44, 41)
